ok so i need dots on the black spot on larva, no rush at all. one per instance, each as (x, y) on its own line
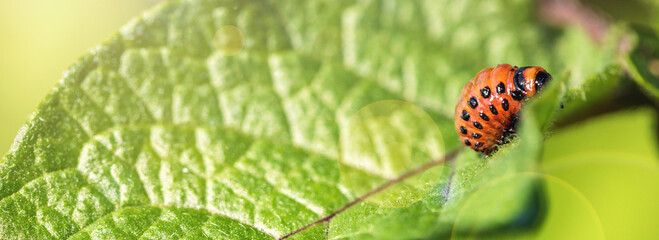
(476, 135)
(467, 142)
(465, 115)
(473, 103)
(517, 95)
(493, 110)
(483, 116)
(478, 144)
(485, 92)
(504, 104)
(513, 118)
(501, 88)
(562, 106)
(463, 130)
(478, 125)
(513, 122)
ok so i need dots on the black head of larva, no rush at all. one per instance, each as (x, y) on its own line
(529, 81)
(541, 79)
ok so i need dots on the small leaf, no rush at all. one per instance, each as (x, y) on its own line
(638, 62)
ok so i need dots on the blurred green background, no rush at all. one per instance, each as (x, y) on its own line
(40, 39)
(596, 187)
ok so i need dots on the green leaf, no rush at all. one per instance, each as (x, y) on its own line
(226, 119)
(638, 61)
(594, 73)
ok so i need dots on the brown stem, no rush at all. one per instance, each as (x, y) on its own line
(572, 12)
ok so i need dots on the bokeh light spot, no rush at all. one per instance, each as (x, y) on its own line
(229, 40)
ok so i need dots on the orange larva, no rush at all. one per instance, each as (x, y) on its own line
(488, 105)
